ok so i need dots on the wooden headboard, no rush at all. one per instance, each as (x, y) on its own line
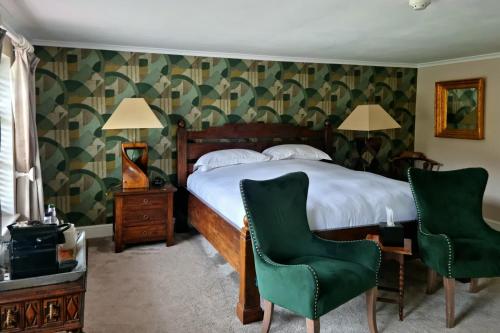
(256, 136)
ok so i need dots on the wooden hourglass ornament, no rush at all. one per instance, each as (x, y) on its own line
(135, 174)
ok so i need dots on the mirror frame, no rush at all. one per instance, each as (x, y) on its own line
(441, 108)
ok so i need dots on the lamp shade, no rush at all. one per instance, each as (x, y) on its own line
(132, 113)
(368, 117)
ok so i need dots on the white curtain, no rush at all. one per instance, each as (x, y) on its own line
(29, 190)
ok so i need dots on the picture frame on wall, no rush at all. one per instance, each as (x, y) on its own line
(459, 109)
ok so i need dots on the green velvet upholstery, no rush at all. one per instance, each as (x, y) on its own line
(453, 238)
(296, 269)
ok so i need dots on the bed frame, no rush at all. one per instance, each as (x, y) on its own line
(233, 244)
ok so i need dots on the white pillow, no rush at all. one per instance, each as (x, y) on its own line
(295, 151)
(225, 157)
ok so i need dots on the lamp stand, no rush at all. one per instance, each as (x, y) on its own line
(367, 148)
(134, 174)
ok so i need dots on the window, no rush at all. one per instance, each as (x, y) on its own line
(7, 180)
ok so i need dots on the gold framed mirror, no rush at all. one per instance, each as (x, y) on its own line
(459, 109)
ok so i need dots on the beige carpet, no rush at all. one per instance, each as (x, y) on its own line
(189, 288)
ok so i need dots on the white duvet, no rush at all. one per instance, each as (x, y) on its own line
(338, 197)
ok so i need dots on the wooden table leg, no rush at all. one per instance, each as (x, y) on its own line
(401, 285)
(399, 258)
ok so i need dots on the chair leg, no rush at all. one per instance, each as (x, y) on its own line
(449, 289)
(474, 285)
(371, 300)
(268, 316)
(312, 325)
(432, 278)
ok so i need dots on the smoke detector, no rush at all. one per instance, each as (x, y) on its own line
(419, 4)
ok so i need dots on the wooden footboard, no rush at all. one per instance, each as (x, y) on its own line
(236, 248)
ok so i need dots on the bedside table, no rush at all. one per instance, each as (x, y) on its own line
(144, 215)
(398, 254)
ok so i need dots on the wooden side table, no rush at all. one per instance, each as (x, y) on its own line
(144, 215)
(398, 254)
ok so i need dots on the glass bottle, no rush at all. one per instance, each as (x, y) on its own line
(52, 210)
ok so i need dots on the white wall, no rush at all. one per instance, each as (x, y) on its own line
(456, 153)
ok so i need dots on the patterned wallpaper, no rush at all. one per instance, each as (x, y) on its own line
(78, 89)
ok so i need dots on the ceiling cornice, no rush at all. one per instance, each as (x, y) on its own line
(487, 56)
(128, 48)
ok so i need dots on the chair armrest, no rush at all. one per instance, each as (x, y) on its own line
(295, 287)
(363, 252)
(436, 251)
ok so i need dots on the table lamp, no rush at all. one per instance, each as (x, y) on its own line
(133, 113)
(366, 118)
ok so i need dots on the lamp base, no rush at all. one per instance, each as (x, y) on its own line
(134, 173)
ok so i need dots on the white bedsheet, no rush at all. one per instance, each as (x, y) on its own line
(338, 197)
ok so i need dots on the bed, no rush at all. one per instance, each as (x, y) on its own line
(336, 208)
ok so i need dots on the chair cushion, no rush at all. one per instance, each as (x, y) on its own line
(339, 280)
(476, 257)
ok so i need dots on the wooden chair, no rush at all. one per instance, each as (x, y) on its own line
(411, 159)
(296, 269)
(454, 240)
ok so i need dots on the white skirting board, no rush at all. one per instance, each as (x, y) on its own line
(97, 231)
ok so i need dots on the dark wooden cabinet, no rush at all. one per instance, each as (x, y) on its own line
(46, 304)
(144, 215)
(52, 308)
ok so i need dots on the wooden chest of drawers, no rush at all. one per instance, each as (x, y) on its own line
(144, 215)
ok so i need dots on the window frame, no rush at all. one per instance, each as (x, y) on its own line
(7, 166)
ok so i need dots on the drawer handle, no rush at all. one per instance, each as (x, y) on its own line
(10, 319)
(144, 233)
(146, 201)
(145, 217)
(53, 314)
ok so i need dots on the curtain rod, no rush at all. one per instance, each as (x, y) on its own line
(11, 35)
(16, 38)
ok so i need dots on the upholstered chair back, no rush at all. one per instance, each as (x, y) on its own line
(450, 202)
(276, 212)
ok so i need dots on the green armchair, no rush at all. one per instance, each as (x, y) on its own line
(296, 269)
(453, 238)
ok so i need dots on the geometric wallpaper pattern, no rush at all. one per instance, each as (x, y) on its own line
(78, 89)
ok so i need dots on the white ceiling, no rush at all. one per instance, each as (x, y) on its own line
(356, 31)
